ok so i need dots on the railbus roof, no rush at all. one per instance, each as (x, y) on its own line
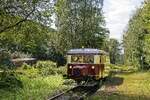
(86, 51)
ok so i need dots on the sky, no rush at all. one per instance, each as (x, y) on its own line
(117, 14)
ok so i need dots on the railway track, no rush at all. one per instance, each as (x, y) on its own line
(58, 96)
(77, 93)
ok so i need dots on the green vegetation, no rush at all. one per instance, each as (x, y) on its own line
(127, 86)
(136, 84)
(26, 31)
(114, 49)
(33, 88)
(32, 82)
(136, 38)
(81, 23)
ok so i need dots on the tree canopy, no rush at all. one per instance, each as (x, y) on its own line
(81, 23)
(136, 38)
(25, 26)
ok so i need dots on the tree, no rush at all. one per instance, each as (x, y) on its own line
(80, 23)
(136, 38)
(114, 51)
(23, 10)
(23, 25)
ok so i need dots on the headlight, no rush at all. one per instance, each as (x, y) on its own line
(70, 67)
(93, 67)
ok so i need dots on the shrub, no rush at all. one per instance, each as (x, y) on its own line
(122, 68)
(43, 64)
(61, 70)
(26, 66)
(43, 68)
(5, 61)
(17, 54)
(46, 67)
(49, 68)
(10, 81)
(31, 72)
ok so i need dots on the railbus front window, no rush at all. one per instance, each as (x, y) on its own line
(82, 59)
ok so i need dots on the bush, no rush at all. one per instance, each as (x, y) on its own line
(61, 70)
(46, 67)
(43, 64)
(26, 66)
(10, 81)
(5, 61)
(29, 71)
(17, 54)
(122, 68)
(43, 68)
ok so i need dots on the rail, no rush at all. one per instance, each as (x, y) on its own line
(77, 93)
(62, 93)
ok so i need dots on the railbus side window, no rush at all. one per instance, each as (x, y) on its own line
(69, 59)
(96, 59)
(102, 59)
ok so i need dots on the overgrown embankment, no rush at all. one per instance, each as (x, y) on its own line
(35, 82)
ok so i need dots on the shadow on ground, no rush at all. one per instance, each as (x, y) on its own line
(113, 80)
(110, 81)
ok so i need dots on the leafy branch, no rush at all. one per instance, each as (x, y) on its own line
(19, 22)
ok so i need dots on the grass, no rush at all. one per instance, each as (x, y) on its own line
(134, 86)
(42, 80)
(34, 89)
(36, 82)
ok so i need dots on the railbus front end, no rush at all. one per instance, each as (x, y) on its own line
(85, 64)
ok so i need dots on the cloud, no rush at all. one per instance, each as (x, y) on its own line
(117, 14)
